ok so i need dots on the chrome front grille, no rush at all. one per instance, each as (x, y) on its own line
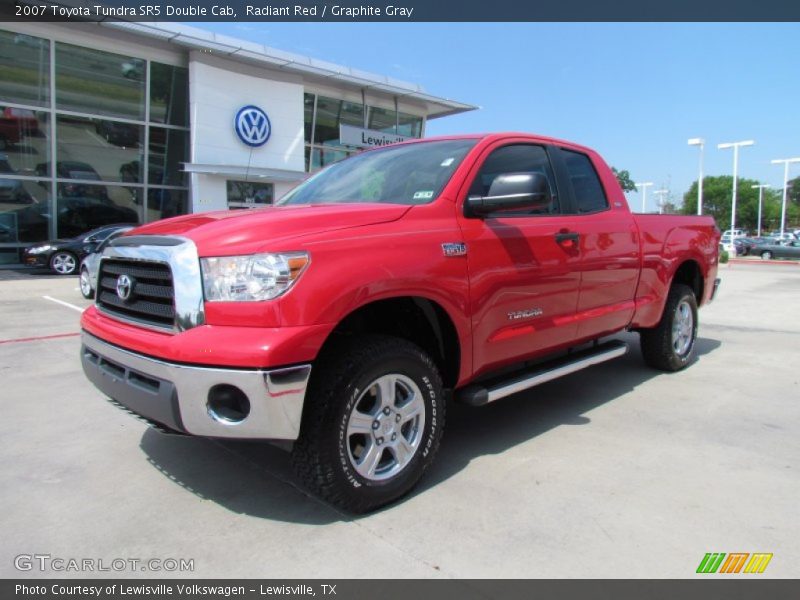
(164, 281)
(152, 294)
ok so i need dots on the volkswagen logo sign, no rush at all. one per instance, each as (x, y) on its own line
(124, 287)
(252, 126)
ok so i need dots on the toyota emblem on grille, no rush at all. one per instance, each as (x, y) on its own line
(124, 286)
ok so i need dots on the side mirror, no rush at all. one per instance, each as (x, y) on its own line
(512, 191)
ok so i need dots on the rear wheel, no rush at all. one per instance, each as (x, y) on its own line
(766, 255)
(86, 284)
(372, 423)
(64, 263)
(670, 345)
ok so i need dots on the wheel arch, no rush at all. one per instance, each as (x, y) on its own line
(689, 273)
(417, 319)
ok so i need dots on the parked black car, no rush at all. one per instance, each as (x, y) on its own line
(64, 256)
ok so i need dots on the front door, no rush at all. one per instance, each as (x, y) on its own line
(524, 274)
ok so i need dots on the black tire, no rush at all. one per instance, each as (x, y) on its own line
(341, 381)
(63, 263)
(659, 345)
(84, 284)
(766, 255)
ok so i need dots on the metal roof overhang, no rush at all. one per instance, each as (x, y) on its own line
(246, 172)
(253, 53)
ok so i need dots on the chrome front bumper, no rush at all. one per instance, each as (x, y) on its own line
(176, 396)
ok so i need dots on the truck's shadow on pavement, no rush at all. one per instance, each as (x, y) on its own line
(256, 479)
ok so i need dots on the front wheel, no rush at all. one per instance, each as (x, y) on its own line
(669, 346)
(766, 255)
(64, 263)
(86, 284)
(372, 422)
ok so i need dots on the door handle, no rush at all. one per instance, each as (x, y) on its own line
(568, 239)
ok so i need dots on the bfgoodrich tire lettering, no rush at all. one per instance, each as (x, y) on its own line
(670, 345)
(345, 383)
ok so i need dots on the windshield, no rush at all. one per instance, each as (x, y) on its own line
(404, 174)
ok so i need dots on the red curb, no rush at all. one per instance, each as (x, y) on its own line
(744, 261)
(40, 338)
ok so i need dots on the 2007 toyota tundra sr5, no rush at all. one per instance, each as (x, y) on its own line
(341, 318)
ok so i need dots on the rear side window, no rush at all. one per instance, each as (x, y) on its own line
(589, 193)
(518, 158)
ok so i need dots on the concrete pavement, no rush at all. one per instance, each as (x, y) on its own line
(619, 471)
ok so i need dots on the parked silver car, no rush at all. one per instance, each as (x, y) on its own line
(777, 249)
(90, 264)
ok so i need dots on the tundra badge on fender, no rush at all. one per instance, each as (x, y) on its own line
(454, 249)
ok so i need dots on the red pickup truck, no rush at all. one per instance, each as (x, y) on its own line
(342, 318)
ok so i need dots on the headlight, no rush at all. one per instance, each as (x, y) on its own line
(39, 249)
(251, 278)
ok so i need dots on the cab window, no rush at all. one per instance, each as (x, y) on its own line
(589, 194)
(517, 158)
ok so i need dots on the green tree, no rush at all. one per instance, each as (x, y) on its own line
(717, 193)
(793, 190)
(625, 181)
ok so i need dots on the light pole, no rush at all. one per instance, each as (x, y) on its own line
(760, 188)
(661, 194)
(643, 187)
(699, 142)
(786, 162)
(735, 146)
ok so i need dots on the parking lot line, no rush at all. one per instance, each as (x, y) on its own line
(39, 338)
(67, 304)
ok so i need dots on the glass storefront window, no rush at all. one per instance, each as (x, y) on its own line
(81, 207)
(381, 119)
(331, 113)
(322, 157)
(24, 140)
(24, 210)
(98, 82)
(168, 149)
(409, 125)
(97, 150)
(24, 69)
(308, 115)
(163, 203)
(249, 194)
(96, 176)
(169, 89)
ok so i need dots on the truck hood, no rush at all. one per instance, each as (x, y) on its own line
(227, 233)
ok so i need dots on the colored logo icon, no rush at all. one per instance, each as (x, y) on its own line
(736, 562)
(252, 126)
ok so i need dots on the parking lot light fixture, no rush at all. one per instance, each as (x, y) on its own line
(760, 188)
(661, 194)
(786, 162)
(699, 142)
(735, 146)
(643, 187)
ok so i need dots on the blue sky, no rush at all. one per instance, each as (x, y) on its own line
(634, 92)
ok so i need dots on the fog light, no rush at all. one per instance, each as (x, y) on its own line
(228, 404)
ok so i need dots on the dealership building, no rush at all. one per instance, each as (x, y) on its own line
(132, 122)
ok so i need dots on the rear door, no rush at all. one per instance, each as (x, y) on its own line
(524, 278)
(609, 247)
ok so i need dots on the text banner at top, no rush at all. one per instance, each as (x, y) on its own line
(402, 11)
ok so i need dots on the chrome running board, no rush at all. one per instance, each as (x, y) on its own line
(478, 395)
